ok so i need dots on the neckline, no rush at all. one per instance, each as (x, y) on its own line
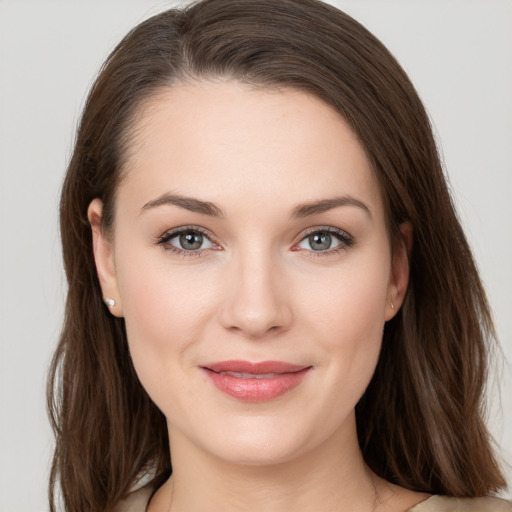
(420, 503)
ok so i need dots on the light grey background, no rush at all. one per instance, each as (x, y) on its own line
(457, 52)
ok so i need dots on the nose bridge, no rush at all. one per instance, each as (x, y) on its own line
(258, 302)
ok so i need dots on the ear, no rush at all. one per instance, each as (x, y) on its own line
(103, 250)
(399, 278)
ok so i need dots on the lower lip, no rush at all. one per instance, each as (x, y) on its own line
(256, 390)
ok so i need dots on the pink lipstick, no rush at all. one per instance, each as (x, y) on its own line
(255, 382)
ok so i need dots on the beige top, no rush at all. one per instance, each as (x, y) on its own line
(449, 504)
(138, 502)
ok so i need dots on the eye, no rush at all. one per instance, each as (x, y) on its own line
(191, 241)
(325, 240)
(186, 240)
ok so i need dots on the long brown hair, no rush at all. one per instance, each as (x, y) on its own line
(420, 420)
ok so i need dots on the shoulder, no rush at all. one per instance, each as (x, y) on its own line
(136, 501)
(451, 504)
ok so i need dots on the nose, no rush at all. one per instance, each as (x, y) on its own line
(257, 301)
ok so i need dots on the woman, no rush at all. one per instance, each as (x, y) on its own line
(272, 305)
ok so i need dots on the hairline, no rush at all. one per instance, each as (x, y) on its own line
(134, 124)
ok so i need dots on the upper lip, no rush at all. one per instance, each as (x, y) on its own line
(255, 368)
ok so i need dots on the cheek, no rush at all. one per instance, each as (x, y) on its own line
(348, 317)
(164, 315)
(351, 299)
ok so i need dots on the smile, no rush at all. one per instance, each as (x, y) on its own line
(255, 382)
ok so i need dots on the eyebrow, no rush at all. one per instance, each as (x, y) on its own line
(300, 211)
(188, 203)
(316, 207)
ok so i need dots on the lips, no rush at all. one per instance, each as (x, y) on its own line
(255, 382)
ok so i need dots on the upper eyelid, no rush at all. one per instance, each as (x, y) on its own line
(171, 233)
(328, 229)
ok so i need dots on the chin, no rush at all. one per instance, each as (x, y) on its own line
(259, 451)
(263, 440)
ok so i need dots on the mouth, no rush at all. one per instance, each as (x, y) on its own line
(255, 382)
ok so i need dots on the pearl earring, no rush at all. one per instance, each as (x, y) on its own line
(110, 302)
(392, 306)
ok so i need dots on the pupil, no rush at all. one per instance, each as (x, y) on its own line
(320, 241)
(191, 240)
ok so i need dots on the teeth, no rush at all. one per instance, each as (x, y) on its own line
(242, 375)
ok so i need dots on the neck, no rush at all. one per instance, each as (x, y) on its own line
(333, 476)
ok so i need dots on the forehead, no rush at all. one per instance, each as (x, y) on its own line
(214, 140)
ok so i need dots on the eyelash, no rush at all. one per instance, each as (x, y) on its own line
(169, 235)
(346, 240)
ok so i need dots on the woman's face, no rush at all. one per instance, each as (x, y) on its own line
(251, 262)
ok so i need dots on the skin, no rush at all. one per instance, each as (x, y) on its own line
(255, 291)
